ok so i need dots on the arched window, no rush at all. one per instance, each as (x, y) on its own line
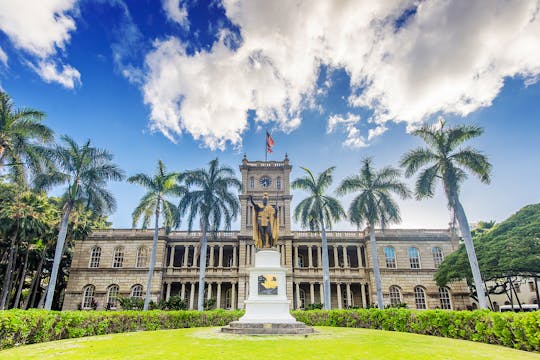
(444, 296)
(302, 296)
(438, 256)
(420, 298)
(88, 297)
(414, 258)
(390, 255)
(251, 182)
(137, 291)
(95, 255)
(112, 296)
(395, 295)
(278, 183)
(118, 257)
(228, 299)
(141, 257)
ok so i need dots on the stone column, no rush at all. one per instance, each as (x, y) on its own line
(312, 293)
(195, 255)
(253, 250)
(218, 296)
(310, 256)
(362, 295)
(345, 260)
(295, 257)
(186, 256)
(183, 291)
(211, 260)
(248, 254)
(209, 291)
(321, 292)
(168, 293)
(233, 296)
(220, 256)
(171, 257)
(349, 299)
(234, 256)
(336, 256)
(191, 296)
(298, 296)
(359, 256)
(319, 256)
(338, 290)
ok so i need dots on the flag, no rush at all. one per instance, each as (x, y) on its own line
(269, 142)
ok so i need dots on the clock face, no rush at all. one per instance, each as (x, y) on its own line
(265, 181)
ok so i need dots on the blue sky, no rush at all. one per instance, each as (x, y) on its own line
(188, 81)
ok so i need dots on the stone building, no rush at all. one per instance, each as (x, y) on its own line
(112, 263)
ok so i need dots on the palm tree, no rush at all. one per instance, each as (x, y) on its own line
(212, 203)
(374, 205)
(317, 212)
(21, 137)
(83, 168)
(445, 159)
(155, 202)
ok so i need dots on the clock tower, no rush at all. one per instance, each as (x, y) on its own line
(272, 177)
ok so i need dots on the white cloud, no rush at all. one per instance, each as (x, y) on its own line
(354, 138)
(67, 76)
(449, 57)
(176, 12)
(41, 29)
(3, 57)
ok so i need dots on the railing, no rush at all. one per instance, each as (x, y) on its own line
(265, 163)
(172, 235)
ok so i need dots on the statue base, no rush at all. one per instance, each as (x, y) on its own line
(267, 307)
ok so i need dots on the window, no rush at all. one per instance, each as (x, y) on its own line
(278, 183)
(228, 262)
(88, 297)
(395, 295)
(302, 296)
(345, 300)
(95, 255)
(112, 296)
(438, 256)
(137, 291)
(420, 298)
(251, 182)
(118, 257)
(531, 286)
(300, 261)
(414, 258)
(141, 257)
(390, 255)
(444, 296)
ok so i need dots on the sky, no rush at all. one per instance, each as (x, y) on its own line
(333, 81)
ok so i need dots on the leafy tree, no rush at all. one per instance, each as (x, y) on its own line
(22, 135)
(445, 159)
(85, 170)
(211, 201)
(481, 228)
(374, 205)
(154, 202)
(317, 212)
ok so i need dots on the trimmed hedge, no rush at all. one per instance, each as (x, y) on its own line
(516, 330)
(20, 327)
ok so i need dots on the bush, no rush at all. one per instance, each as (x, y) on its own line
(315, 306)
(516, 330)
(20, 327)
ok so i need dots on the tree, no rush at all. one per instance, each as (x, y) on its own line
(84, 169)
(154, 202)
(374, 205)
(210, 200)
(317, 212)
(21, 136)
(447, 160)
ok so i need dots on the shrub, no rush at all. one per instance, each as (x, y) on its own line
(315, 306)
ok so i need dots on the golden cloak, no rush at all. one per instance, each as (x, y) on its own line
(269, 211)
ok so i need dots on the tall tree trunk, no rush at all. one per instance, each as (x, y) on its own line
(152, 257)
(21, 282)
(6, 286)
(471, 253)
(325, 267)
(34, 286)
(58, 253)
(202, 268)
(376, 271)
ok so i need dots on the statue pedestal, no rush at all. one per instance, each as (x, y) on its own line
(267, 307)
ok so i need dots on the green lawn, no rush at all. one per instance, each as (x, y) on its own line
(208, 343)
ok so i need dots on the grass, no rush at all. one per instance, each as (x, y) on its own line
(209, 343)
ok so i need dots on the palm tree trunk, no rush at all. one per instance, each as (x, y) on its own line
(58, 253)
(152, 258)
(21, 281)
(471, 253)
(6, 286)
(202, 268)
(325, 267)
(34, 286)
(376, 271)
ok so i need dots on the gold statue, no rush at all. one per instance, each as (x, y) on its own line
(265, 223)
